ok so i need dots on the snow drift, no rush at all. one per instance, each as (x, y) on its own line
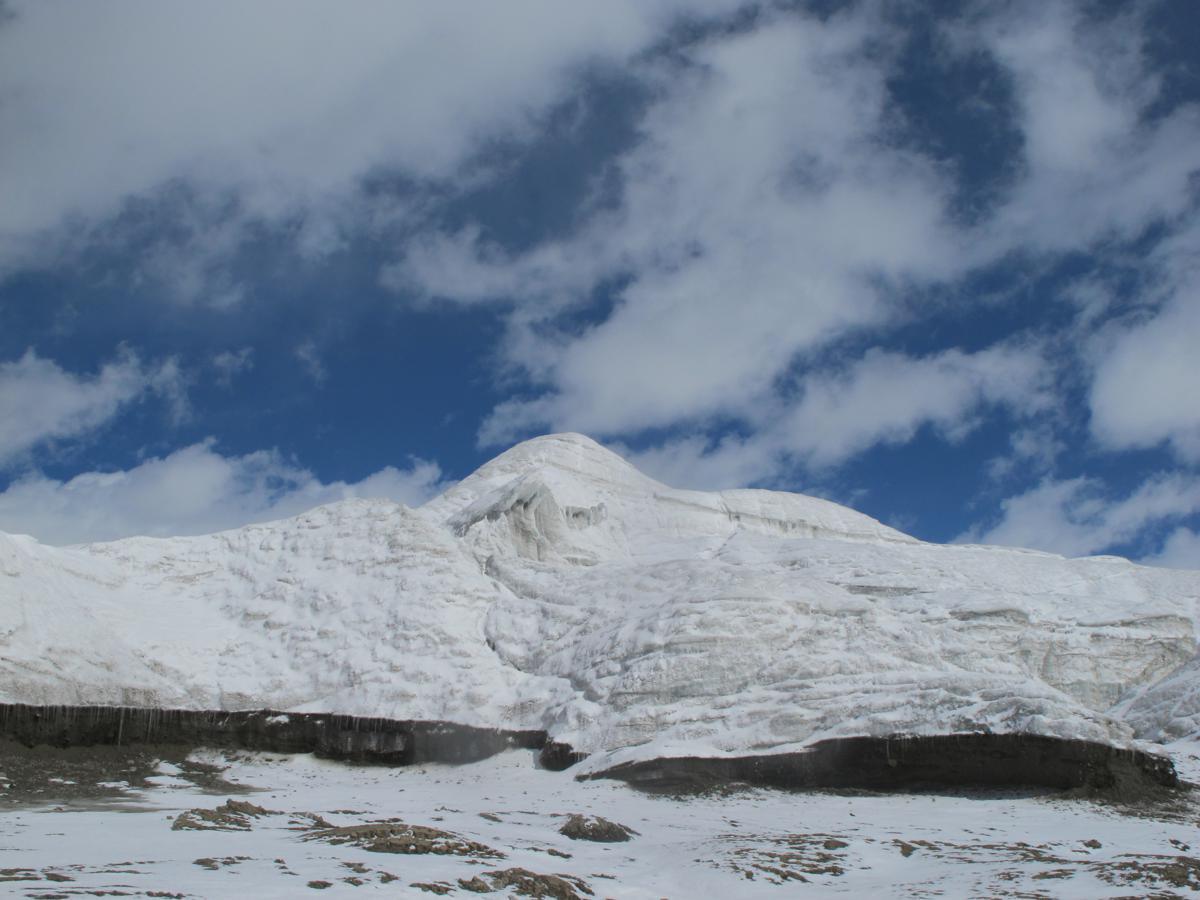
(559, 589)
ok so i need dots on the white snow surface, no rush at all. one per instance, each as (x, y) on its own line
(743, 844)
(559, 588)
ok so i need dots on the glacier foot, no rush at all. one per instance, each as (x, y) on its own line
(978, 760)
(350, 738)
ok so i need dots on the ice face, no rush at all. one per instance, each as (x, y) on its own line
(559, 588)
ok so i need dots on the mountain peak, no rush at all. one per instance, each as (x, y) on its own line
(572, 465)
(566, 497)
(569, 451)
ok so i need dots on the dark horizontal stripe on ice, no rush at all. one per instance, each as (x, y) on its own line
(352, 738)
(975, 760)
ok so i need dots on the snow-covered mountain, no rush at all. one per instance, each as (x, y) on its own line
(559, 588)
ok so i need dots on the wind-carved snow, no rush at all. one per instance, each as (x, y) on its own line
(560, 588)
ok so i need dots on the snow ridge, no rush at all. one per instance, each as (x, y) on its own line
(558, 588)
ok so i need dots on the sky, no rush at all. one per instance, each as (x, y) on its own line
(938, 261)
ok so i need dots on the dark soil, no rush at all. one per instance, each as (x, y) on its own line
(914, 763)
(94, 777)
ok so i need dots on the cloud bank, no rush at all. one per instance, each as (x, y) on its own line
(41, 403)
(195, 490)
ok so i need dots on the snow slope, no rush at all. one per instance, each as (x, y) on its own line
(560, 588)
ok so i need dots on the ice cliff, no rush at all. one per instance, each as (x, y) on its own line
(558, 588)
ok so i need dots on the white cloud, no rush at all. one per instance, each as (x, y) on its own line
(761, 212)
(1147, 377)
(195, 490)
(41, 402)
(697, 463)
(1096, 166)
(886, 397)
(283, 104)
(1181, 550)
(1072, 116)
(764, 215)
(1076, 517)
(882, 398)
(1033, 448)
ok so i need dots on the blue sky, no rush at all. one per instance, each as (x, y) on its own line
(938, 261)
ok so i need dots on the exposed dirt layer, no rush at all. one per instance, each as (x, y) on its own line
(99, 776)
(904, 763)
(350, 738)
(875, 763)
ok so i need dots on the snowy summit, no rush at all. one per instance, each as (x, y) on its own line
(558, 588)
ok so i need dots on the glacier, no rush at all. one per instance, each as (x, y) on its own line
(558, 588)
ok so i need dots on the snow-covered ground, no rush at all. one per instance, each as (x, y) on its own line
(60, 840)
(558, 588)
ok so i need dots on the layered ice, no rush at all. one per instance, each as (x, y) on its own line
(558, 588)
